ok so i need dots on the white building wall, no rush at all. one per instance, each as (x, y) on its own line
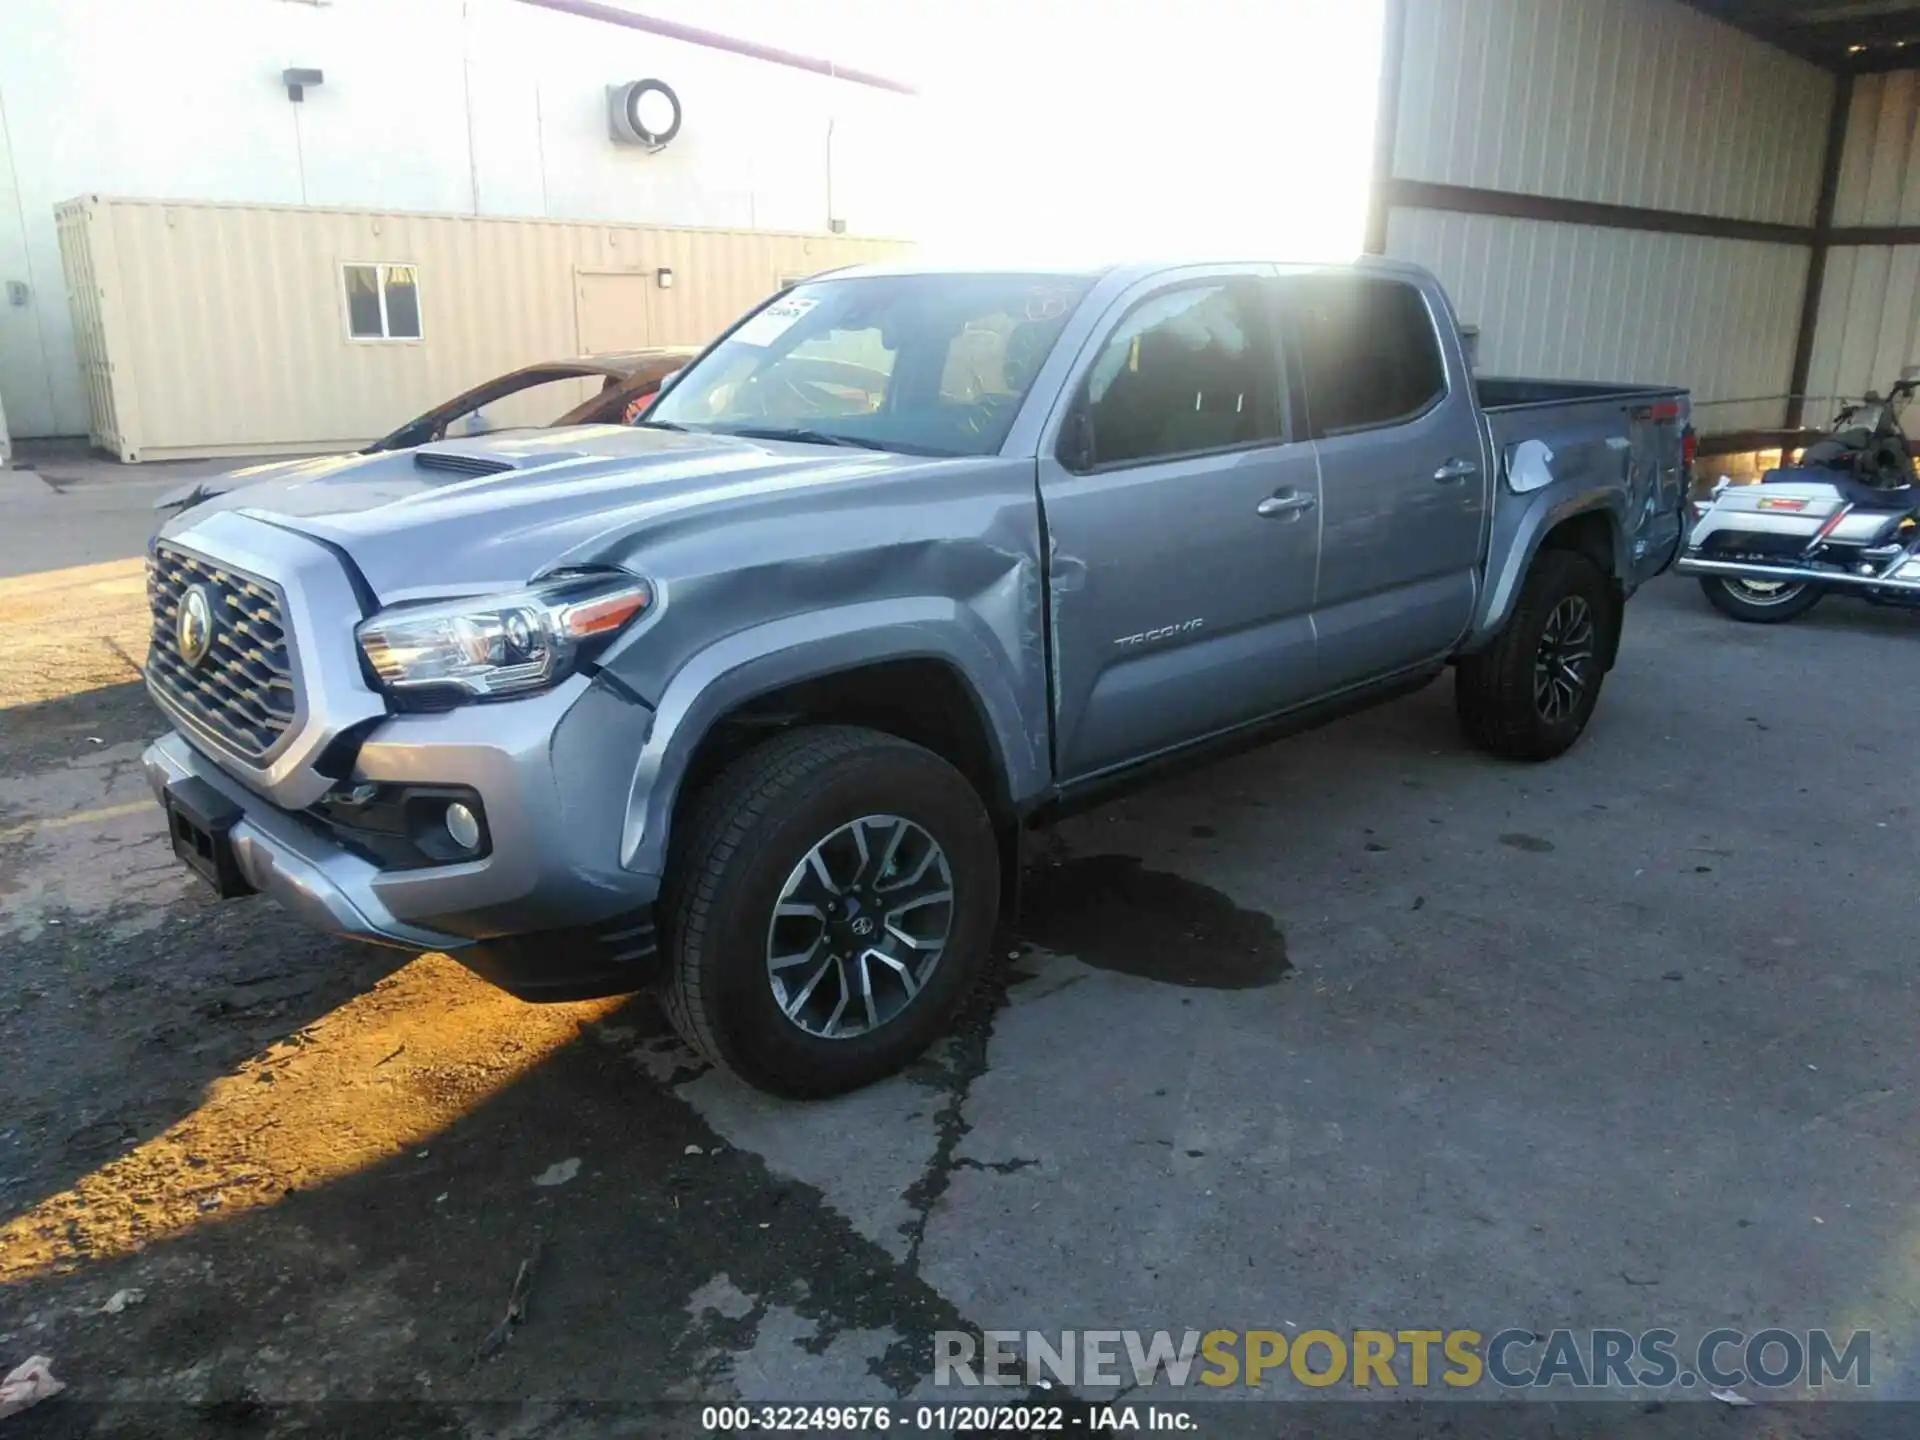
(1577, 302)
(1640, 103)
(1627, 102)
(1880, 162)
(486, 107)
(1869, 326)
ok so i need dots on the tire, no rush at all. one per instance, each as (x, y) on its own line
(1495, 691)
(826, 791)
(1732, 597)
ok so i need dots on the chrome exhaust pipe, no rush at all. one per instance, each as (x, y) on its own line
(1749, 570)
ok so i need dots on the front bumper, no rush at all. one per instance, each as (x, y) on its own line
(294, 864)
(548, 912)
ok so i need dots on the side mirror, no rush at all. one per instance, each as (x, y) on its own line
(1076, 442)
(668, 381)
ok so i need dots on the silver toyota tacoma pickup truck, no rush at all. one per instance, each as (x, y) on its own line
(751, 701)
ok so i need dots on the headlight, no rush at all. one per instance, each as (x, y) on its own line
(501, 644)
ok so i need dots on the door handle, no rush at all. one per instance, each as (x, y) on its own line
(1455, 470)
(1291, 503)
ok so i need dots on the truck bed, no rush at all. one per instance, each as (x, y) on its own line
(1507, 393)
(1574, 438)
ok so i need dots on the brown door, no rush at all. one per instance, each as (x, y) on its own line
(612, 310)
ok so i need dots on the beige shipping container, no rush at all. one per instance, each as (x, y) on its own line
(208, 330)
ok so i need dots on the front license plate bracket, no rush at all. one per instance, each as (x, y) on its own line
(200, 823)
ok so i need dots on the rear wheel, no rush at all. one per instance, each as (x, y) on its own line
(1529, 695)
(830, 908)
(1760, 602)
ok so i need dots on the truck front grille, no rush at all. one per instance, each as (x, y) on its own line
(235, 682)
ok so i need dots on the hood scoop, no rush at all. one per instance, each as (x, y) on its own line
(494, 459)
(459, 462)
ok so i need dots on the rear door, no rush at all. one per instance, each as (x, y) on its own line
(1182, 519)
(1404, 492)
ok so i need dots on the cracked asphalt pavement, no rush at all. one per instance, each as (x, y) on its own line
(1360, 1029)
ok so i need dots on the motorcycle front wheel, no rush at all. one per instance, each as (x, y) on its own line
(1760, 602)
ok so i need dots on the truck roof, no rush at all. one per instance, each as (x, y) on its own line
(1141, 267)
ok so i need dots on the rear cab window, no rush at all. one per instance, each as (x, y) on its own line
(1368, 351)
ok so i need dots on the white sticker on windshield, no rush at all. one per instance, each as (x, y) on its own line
(774, 321)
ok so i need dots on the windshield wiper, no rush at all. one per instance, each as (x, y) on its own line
(806, 437)
(662, 425)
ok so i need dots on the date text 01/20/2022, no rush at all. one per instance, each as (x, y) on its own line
(947, 1419)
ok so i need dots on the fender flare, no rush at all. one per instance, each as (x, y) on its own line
(1502, 590)
(717, 680)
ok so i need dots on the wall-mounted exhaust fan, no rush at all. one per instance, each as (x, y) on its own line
(644, 113)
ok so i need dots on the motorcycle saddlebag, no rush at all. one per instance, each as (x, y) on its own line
(1776, 517)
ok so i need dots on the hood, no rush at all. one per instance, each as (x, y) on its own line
(490, 513)
(302, 468)
(196, 492)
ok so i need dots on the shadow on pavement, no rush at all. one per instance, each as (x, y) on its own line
(670, 1266)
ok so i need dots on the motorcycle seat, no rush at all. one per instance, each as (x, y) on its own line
(1861, 497)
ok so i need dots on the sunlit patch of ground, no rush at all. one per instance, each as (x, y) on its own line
(79, 834)
(372, 1079)
(65, 631)
(80, 841)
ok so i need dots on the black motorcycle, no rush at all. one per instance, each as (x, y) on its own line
(1846, 517)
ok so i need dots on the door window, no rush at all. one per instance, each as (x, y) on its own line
(1368, 350)
(1186, 371)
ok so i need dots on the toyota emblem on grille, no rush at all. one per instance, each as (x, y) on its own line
(193, 630)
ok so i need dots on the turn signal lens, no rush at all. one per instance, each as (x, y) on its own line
(603, 616)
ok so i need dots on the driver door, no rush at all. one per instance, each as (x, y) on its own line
(1183, 536)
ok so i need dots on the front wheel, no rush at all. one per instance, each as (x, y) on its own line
(1529, 695)
(832, 905)
(1760, 602)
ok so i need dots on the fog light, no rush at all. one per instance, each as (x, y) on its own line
(463, 827)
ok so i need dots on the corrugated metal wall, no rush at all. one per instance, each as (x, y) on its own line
(1641, 103)
(1580, 303)
(221, 329)
(1870, 302)
(1628, 102)
(1880, 164)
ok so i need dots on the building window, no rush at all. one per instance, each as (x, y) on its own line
(383, 302)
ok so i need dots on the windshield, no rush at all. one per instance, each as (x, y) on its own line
(925, 364)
